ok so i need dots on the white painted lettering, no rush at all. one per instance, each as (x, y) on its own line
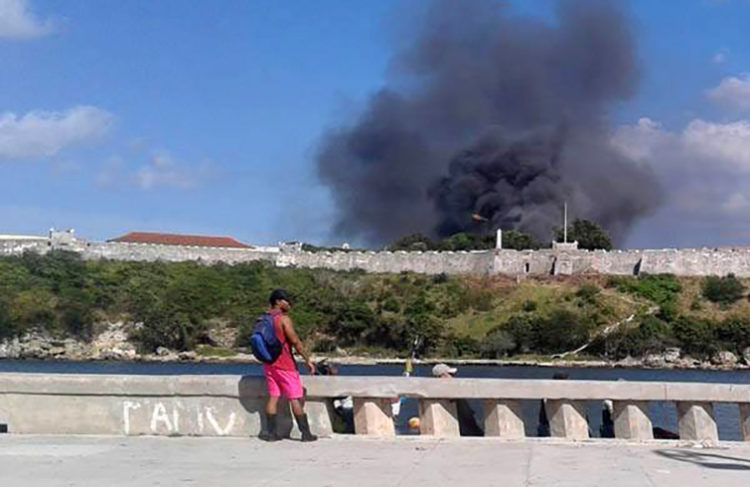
(160, 415)
(219, 430)
(127, 406)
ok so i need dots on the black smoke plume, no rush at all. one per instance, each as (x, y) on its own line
(493, 121)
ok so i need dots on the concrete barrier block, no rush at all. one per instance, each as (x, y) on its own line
(503, 419)
(373, 417)
(319, 412)
(632, 421)
(567, 419)
(438, 417)
(696, 421)
(745, 420)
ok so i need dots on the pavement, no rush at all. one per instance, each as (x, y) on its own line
(361, 462)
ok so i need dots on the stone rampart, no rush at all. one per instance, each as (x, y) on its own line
(233, 405)
(18, 247)
(478, 262)
(173, 253)
(681, 262)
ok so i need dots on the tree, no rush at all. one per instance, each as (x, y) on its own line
(723, 290)
(416, 241)
(513, 239)
(588, 234)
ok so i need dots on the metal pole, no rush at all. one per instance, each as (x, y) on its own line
(565, 223)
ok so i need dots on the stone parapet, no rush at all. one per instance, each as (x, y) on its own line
(233, 405)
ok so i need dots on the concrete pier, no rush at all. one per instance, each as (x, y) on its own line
(355, 461)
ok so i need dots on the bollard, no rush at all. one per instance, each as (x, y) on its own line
(438, 417)
(373, 417)
(632, 421)
(567, 419)
(696, 421)
(504, 419)
(745, 420)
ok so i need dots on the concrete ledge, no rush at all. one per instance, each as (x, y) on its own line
(233, 405)
(382, 387)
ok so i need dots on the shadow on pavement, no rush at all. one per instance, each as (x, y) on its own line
(707, 460)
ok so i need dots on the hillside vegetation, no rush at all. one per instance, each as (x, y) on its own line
(180, 304)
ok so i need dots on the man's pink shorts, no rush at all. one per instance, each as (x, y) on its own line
(285, 383)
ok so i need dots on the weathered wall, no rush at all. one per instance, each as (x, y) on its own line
(682, 262)
(232, 405)
(140, 405)
(393, 262)
(17, 247)
(172, 253)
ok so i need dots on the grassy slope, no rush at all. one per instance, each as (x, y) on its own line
(510, 298)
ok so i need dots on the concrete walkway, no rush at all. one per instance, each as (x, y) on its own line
(31, 461)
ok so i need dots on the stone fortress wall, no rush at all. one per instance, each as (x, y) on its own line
(558, 261)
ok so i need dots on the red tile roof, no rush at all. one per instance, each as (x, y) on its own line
(173, 239)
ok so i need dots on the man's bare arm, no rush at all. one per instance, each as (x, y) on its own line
(294, 339)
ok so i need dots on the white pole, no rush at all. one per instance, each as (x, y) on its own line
(565, 223)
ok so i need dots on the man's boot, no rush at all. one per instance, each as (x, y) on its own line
(304, 427)
(271, 433)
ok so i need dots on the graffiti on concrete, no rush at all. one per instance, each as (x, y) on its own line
(174, 420)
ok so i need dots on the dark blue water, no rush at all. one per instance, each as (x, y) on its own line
(662, 414)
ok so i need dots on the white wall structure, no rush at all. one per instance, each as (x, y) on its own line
(561, 260)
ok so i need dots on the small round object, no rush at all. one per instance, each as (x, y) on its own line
(414, 423)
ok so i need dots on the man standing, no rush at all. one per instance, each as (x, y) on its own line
(282, 376)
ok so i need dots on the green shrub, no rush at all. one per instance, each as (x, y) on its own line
(459, 346)
(588, 293)
(497, 344)
(659, 288)
(652, 335)
(560, 332)
(695, 336)
(521, 328)
(723, 290)
(733, 334)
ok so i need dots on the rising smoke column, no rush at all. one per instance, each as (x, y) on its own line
(496, 116)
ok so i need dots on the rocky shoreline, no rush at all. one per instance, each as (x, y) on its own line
(113, 345)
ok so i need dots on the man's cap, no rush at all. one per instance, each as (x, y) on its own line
(442, 369)
(278, 295)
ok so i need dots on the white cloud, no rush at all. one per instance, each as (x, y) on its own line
(17, 21)
(161, 170)
(732, 92)
(704, 168)
(720, 57)
(726, 143)
(700, 144)
(44, 134)
(639, 141)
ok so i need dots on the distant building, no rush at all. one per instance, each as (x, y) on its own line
(175, 239)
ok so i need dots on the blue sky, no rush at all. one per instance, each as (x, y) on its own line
(203, 117)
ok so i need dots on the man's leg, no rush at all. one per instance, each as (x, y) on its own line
(299, 415)
(298, 406)
(272, 406)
